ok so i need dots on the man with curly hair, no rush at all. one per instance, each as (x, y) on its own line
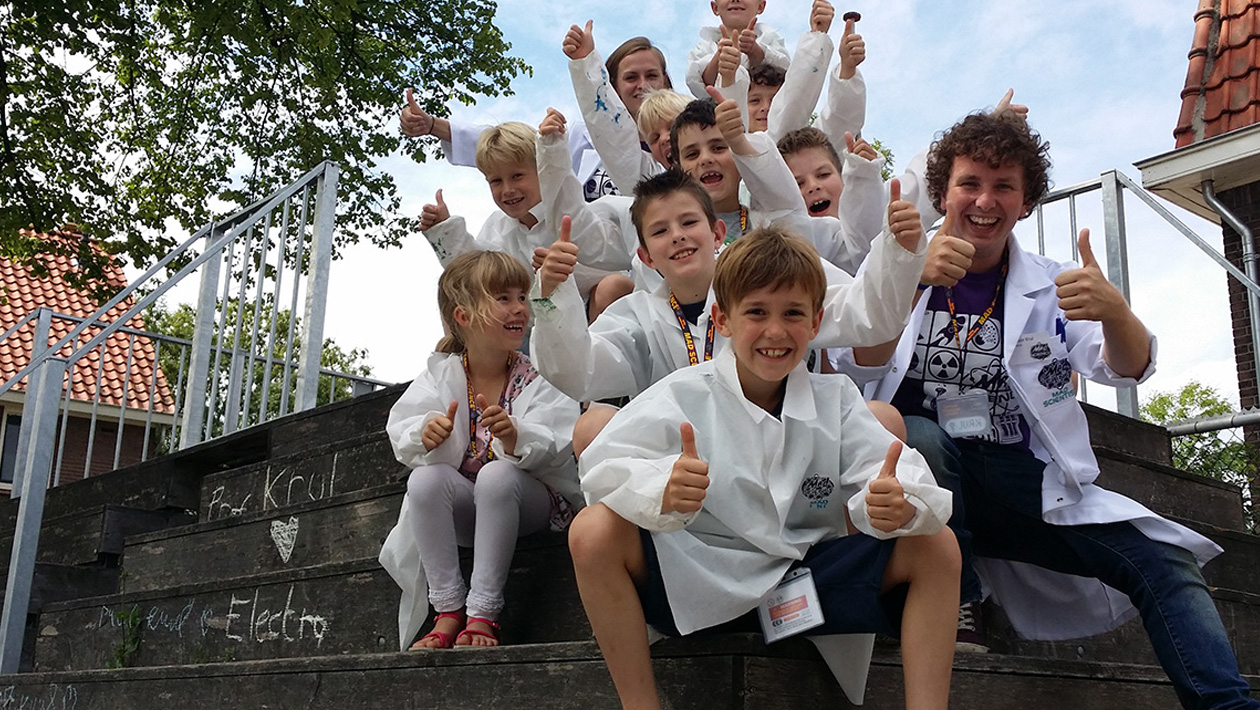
(984, 376)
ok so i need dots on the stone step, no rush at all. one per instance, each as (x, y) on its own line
(1170, 491)
(328, 530)
(95, 534)
(347, 419)
(1146, 441)
(313, 474)
(715, 673)
(331, 609)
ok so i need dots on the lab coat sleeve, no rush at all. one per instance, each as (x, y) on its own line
(794, 104)
(612, 129)
(771, 187)
(461, 149)
(862, 452)
(845, 109)
(872, 309)
(629, 464)
(1085, 348)
(863, 205)
(697, 59)
(449, 239)
(601, 243)
(738, 91)
(773, 44)
(608, 358)
(424, 400)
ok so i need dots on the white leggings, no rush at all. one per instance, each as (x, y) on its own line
(511, 502)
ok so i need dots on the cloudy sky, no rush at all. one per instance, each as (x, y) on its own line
(1102, 81)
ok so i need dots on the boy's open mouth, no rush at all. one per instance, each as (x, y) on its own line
(682, 254)
(773, 353)
(819, 208)
(710, 178)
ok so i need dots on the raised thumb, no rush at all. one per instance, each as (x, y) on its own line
(688, 441)
(440, 201)
(894, 190)
(482, 404)
(1082, 246)
(450, 411)
(411, 99)
(848, 27)
(715, 94)
(889, 469)
(566, 228)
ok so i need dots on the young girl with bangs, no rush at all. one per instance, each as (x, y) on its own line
(489, 443)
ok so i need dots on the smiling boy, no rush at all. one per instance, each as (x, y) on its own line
(758, 44)
(663, 542)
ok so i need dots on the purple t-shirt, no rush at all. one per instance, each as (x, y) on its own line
(946, 362)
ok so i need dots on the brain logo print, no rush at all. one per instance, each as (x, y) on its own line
(987, 337)
(943, 365)
(1039, 351)
(817, 487)
(1055, 374)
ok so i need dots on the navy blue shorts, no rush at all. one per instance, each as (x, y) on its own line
(848, 573)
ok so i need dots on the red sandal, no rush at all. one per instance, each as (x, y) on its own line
(493, 633)
(445, 640)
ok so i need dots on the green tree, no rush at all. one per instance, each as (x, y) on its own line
(179, 323)
(124, 116)
(1211, 454)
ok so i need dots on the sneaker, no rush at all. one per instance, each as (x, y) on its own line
(970, 629)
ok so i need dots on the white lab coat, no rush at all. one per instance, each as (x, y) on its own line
(1043, 604)
(637, 340)
(719, 563)
(544, 420)
(613, 132)
(845, 108)
(701, 54)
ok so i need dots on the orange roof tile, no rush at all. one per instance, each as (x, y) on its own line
(143, 382)
(1222, 91)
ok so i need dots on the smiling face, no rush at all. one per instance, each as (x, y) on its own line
(986, 203)
(704, 155)
(638, 73)
(769, 331)
(514, 187)
(759, 98)
(680, 243)
(503, 325)
(736, 14)
(818, 179)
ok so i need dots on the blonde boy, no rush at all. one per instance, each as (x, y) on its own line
(664, 543)
(758, 44)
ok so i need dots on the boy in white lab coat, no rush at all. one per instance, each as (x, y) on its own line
(802, 477)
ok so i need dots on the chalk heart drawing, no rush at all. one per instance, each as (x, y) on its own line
(284, 534)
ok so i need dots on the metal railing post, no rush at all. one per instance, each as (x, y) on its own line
(1118, 267)
(39, 344)
(45, 392)
(312, 343)
(198, 381)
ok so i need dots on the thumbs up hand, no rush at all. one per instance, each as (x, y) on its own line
(948, 256)
(434, 214)
(728, 56)
(903, 219)
(439, 428)
(820, 16)
(730, 123)
(886, 503)
(1084, 293)
(684, 493)
(495, 419)
(852, 50)
(558, 264)
(747, 43)
(414, 121)
(579, 42)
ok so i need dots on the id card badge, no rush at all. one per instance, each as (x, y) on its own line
(791, 608)
(964, 415)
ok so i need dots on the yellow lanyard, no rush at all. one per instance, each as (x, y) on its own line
(692, 356)
(743, 227)
(474, 415)
(953, 319)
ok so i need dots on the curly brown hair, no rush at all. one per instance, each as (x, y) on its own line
(996, 140)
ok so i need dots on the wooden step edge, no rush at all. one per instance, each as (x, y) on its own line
(308, 453)
(1122, 457)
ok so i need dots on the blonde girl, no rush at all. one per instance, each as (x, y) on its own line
(489, 442)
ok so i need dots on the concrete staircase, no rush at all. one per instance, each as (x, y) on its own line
(244, 571)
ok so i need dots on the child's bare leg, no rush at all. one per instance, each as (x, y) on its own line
(930, 564)
(589, 425)
(609, 289)
(608, 559)
(889, 417)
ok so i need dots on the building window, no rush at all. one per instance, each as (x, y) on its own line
(8, 454)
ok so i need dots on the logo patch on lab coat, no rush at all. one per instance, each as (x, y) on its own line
(817, 489)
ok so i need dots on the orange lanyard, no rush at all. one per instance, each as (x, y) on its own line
(474, 415)
(953, 318)
(692, 356)
(743, 227)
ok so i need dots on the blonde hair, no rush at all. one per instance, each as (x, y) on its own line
(510, 143)
(659, 106)
(768, 257)
(470, 282)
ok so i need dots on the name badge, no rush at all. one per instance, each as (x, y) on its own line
(964, 415)
(791, 608)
